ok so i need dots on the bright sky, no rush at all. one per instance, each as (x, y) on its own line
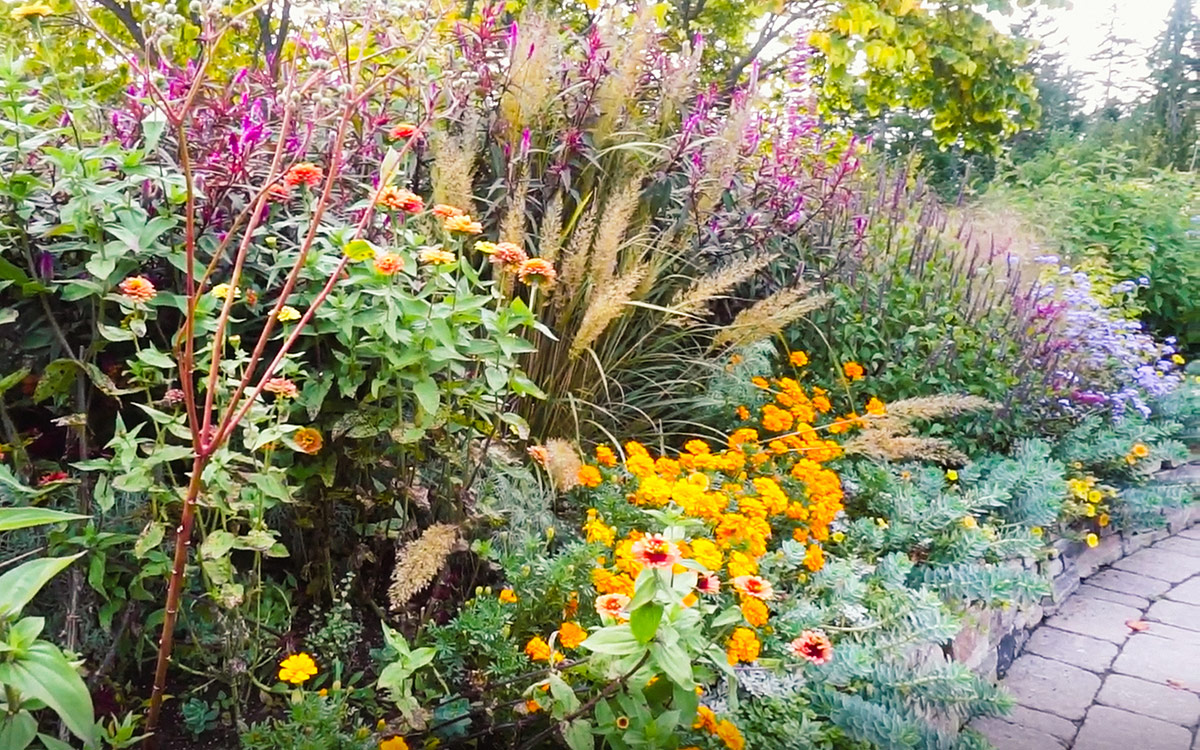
(1083, 27)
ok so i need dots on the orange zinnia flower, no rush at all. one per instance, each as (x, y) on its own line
(537, 271)
(400, 199)
(508, 254)
(442, 211)
(304, 173)
(759, 588)
(436, 256)
(403, 130)
(282, 387)
(612, 605)
(812, 645)
(278, 193)
(308, 440)
(462, 223)
(655, 551)
(389, 263)
(138, 289)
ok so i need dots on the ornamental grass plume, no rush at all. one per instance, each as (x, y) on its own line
(614, 224)
(769, 316)
(453, 171)
(419, 562)
(889, 436)
(605, 305)
(692, 301)
(562, 464)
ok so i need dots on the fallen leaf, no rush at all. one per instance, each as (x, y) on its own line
(1137, 626)
(1178, 685)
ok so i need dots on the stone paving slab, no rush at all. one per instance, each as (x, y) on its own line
(1129, 600)
(1005, 736)
(1189, 547)
(1158, 657)
(1192, 533)
(1040, 721)
(1186, 616)
(1052, 686)
(1129, 583)
(1152, 562)
(1095, 617)
(1150, 699)
(1187, 592)
(1112, 729)
(1078, 650)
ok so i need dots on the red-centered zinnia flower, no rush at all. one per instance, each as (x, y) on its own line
(655, 551)
(508, 254)
(537, 271)
(442, 211)
(812, 645)
(389, 263)
(138, 289)
(612, 605)
(304, 173)
(400, 199)
(708, 584)
(759, 588)
(403, 130)
(282, 387)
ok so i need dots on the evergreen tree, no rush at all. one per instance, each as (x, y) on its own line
(1116, 58)
(1176, 80)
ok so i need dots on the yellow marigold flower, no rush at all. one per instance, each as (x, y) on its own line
(1139, 450)
(508, 596)
(570, 635)
(742, 646)
(32, 10)
(589, 476)
(287, 313)
(755, 611)
(969, 522)
(1103, 520)
(597, 530)
(221, 291)
(876, 408)
(297, 668)
(138, 289)
(853, 370)
(1095, 496)
(308, 440)
(707, 553)
(605, 456)
(1092, 540)
(952, 475)
(395, 743)
(798, 359)
(436, 256)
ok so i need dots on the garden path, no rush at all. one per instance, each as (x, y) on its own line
(1118, 665)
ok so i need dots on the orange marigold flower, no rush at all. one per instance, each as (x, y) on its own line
(743, 413)
(655, 551)
(875, 407)
(462, 223)
(508, 596)
(304, 173)
(814, 558)
(403, 130)
(297, 668)
(728, 733)
(436, 256)
(537, 649)
(853, 370)
(400, 199)
(532, 707)
(138, 289)
(759, 588)
(605, 456)
(570, 635)
(589, 476)
(508, 254)
(798, 359)
(442, 211)
(760, 382)
(705, 719)
(393, 743)
(755, 611)
(308, 440)
(537, 271)
(389, 263)
(742, 646)
(612, 605)
(281, 387)
(812, 645)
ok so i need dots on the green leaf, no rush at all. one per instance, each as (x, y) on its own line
(11, 379)
(728, 617)
(45, 674)
(56, 380)
(644, 621)
(615, 640)
(217, 545)
(563, 693)
(53, 743)
(428, 396)
(578, 735)
(23, 518)
(155, 358)
(675, 662)
(22, 583)
(17, 730)
(149, 539)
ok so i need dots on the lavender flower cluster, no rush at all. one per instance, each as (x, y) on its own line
(1109, 360)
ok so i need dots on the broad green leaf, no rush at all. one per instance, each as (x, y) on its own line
(674, 661)
(45, 674)
(56, 379)
(17, 730)
(21, 518)
(426, 391)
(22, 583)
(155, 358)
(149, 539)
(578, 735)
(217, 545)
(644, 621)
(616, 640)
(11, 379)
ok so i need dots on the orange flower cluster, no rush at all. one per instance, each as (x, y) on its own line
(724, 730)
